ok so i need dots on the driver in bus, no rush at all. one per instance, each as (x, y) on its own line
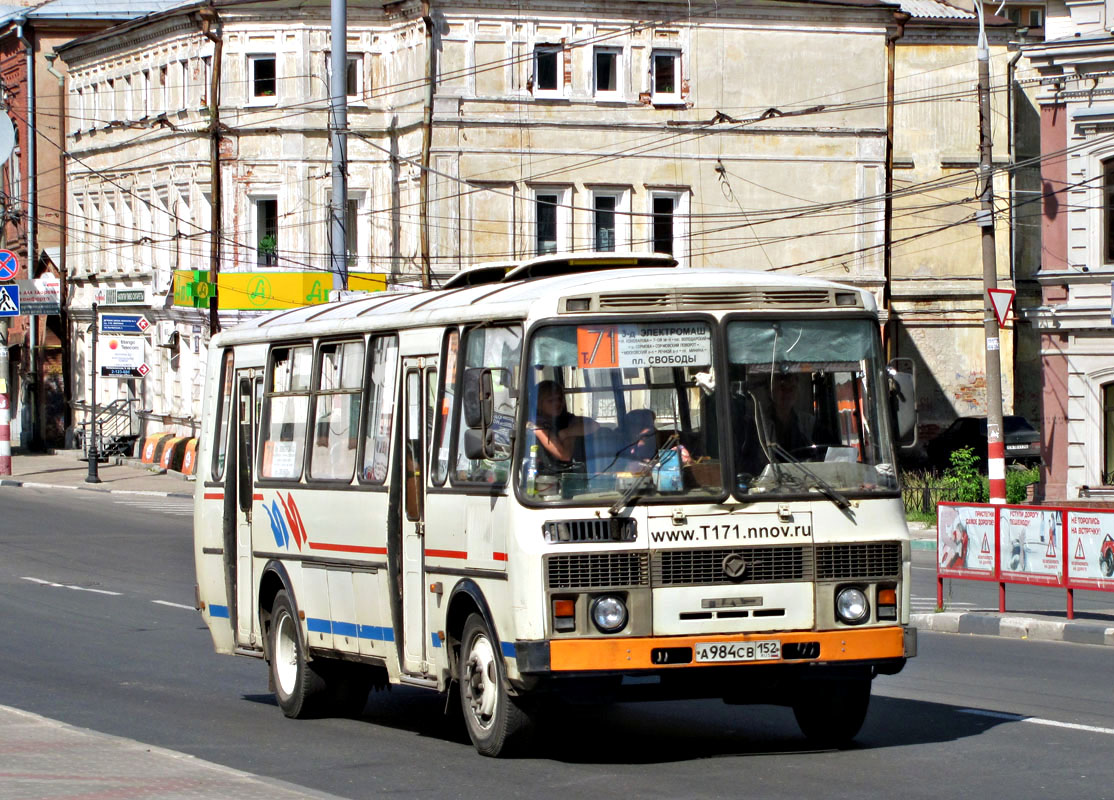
(790, 428)
(559, 432)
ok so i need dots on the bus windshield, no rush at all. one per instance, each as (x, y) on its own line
(621, 411)
(807, 408)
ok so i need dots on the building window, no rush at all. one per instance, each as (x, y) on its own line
(610, 220)
(1036, 18)
(1108, 211)
(1108, 434)
(665, 76)
(547, 69)
(353, 76)
(145, 93)
(663, 224)
(669, 222)
(606, 78)
(551, 220)
(263, 77)
(266, 231)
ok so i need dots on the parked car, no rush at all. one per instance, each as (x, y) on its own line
(1022, 440)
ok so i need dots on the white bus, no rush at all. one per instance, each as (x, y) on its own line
(576, 476)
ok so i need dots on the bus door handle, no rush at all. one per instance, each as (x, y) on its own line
(419, 529)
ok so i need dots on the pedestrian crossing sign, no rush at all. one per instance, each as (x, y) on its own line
(9, 300)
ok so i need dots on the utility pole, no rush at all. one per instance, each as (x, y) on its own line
(92, 452)
(996, 449)
(209, 21)
(338, 135)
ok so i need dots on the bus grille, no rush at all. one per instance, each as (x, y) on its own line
(704, 567)
(597, 570)
(857, 561)
(573, 531)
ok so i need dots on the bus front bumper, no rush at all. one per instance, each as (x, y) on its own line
(886, 647)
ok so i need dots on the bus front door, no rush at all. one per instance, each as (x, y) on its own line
(246, 409)
(420, 375)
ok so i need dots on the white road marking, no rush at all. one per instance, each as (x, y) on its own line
(173, 605)
(175, 507)
(41, 582)
(1037, 721)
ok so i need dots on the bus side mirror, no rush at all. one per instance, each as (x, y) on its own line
(479, 398)
(903, 401)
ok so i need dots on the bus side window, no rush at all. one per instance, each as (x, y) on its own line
(443, 407)
(285, 410)
(223, 412)
(499, 348)
(381, 386)
(336, 415)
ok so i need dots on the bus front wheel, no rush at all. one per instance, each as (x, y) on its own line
(830, 713)
(298, 686)
(495, 723)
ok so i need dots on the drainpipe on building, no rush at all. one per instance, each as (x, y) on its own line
(1011, 146)
(209, 21)
(31, 255)
(63, 312)
(427, 141)
(887, 227)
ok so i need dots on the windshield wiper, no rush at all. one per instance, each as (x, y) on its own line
(634, 491)
(826, 488)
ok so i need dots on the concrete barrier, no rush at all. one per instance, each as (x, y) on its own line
(172, 453)
(189, 457)
(152, 447)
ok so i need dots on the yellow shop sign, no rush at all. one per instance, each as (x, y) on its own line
(267, 291)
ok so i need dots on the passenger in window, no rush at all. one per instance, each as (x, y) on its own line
(640, 430)
(559, 432)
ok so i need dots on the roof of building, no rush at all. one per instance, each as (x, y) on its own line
(88, 9)
(934, 9)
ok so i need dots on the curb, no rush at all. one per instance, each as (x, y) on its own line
(35, 485)
(1048, 630)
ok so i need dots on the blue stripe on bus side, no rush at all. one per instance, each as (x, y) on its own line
(218, 611)
(374, 632)
(436, 641)
(508, 649)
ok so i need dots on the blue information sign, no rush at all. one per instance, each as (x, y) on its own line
(124, 323)
(9, 300)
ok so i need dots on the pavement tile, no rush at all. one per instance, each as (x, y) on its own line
(43, 759)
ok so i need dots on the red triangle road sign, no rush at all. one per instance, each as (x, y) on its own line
(1001, 300)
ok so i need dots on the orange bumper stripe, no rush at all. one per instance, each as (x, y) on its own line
(581, 655)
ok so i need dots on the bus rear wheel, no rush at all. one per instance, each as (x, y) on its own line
(299, 688)
(830, 713)
(495, 723)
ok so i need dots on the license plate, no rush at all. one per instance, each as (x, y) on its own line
(763, 650)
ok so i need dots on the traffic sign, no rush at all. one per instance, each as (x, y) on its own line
(1001, 299)
(9, 300)
(40, 296)
(9, 265)
(124, 323)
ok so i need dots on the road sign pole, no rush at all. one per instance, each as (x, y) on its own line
(5, 406)
(91, 449)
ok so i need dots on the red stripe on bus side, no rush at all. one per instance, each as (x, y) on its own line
(348, 548)
(257, 497)
(499, 556)
(446, 553)
(214, 495)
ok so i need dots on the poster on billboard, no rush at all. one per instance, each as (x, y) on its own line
(965, 544)
(1031, 545)
(1090, 548)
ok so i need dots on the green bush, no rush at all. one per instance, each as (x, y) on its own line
(1017, 481)
(963, 477)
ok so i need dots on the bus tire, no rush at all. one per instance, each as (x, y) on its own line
(495, 723)
(299, 688)
(830, 713)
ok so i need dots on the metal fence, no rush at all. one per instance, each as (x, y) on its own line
(924, 499)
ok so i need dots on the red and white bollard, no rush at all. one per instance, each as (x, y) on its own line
(996, 471)
(5, 435)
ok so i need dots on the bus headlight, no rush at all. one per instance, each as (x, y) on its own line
(852, 606)
(609, 613)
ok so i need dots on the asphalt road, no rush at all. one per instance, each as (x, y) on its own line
(96, 598)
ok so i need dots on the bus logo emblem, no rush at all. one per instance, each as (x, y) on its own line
(734, 566)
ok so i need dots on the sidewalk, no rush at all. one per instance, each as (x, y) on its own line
(46, 759)
(61, 470)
